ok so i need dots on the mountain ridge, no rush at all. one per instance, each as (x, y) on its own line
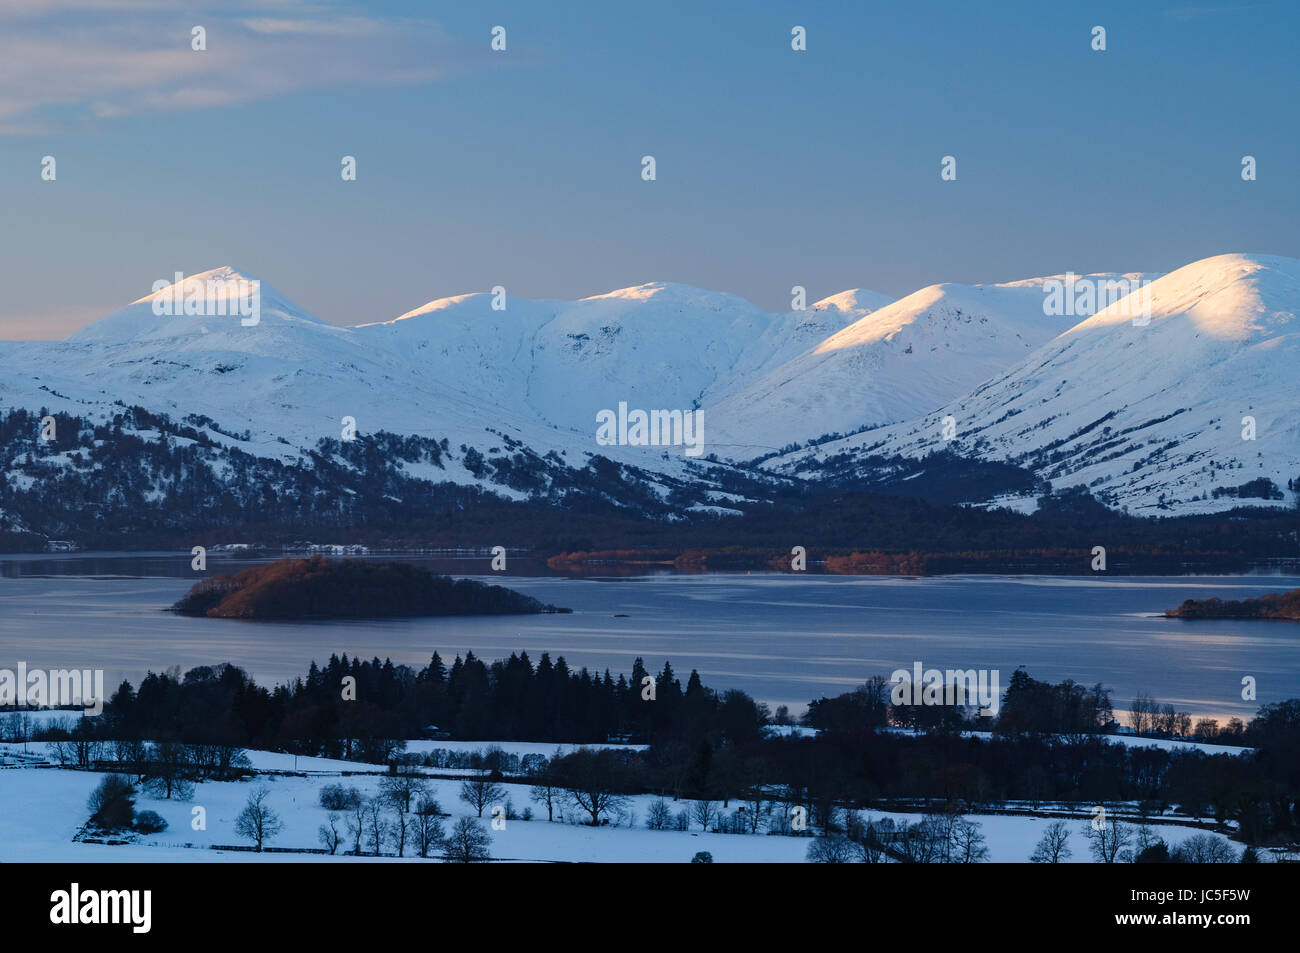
(1176, 412)
(491, 376)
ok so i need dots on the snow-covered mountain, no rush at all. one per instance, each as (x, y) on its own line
(287, 381)
(653, 346)
(897, 362)
(528, 378)
(505, 398)
(1175, 414)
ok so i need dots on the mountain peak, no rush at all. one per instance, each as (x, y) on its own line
(673, 294)
(184, 306)
(1153, 404)
(1225, 296)
(224, 275)
(856, 300)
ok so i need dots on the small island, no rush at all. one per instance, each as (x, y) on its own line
(321, 588)
(1275, 605)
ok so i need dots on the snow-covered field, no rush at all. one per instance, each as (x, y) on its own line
(279, 761)
(275, 760)
(1129, 741)
(1174, 744)
(43, 808)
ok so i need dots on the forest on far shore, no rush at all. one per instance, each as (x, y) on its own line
(169, 485)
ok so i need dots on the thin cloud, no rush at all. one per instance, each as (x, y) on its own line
(29, 9)
(342, 26)
(100, 68)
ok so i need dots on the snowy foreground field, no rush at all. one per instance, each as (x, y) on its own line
(42, 809)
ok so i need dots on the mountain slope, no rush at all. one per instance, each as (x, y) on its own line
(657, 345)
(287, 381)
(1149, 417)
(511, 396)
(901, 360)
(1152, 418)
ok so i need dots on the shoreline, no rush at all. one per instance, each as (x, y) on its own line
(631, 569)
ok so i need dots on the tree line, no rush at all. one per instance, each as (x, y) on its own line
(1048, 743)
(142, 480)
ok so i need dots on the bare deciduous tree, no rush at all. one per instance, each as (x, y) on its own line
(876, 836)
(1204, 849)
(594, 780)
(467, 843)
(356, 822)
(402, 789)
(81, 748)
(659, 817)
(831, 850)
(703, 813)
(546, 788)
(131, 753)
(481, 792)
(257, 821)
(919, 843)
(376, 826)
(1054, 846)
(170, 771)
(328, 833)
(1107, 839)
(1142, 713)
(428, 827)
(398, 829)
(942, 827)
(754, 804)
(969, 845)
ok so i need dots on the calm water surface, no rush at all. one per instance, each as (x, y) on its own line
(784, 639)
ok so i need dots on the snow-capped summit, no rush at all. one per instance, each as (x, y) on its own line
(1174, 402)
(859, 301)
(470, 369)
(675, 295)
(899, 360)
(654, 346)
(220, 299)
(1190, 408)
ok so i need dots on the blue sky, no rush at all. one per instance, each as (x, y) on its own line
(775, 168)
